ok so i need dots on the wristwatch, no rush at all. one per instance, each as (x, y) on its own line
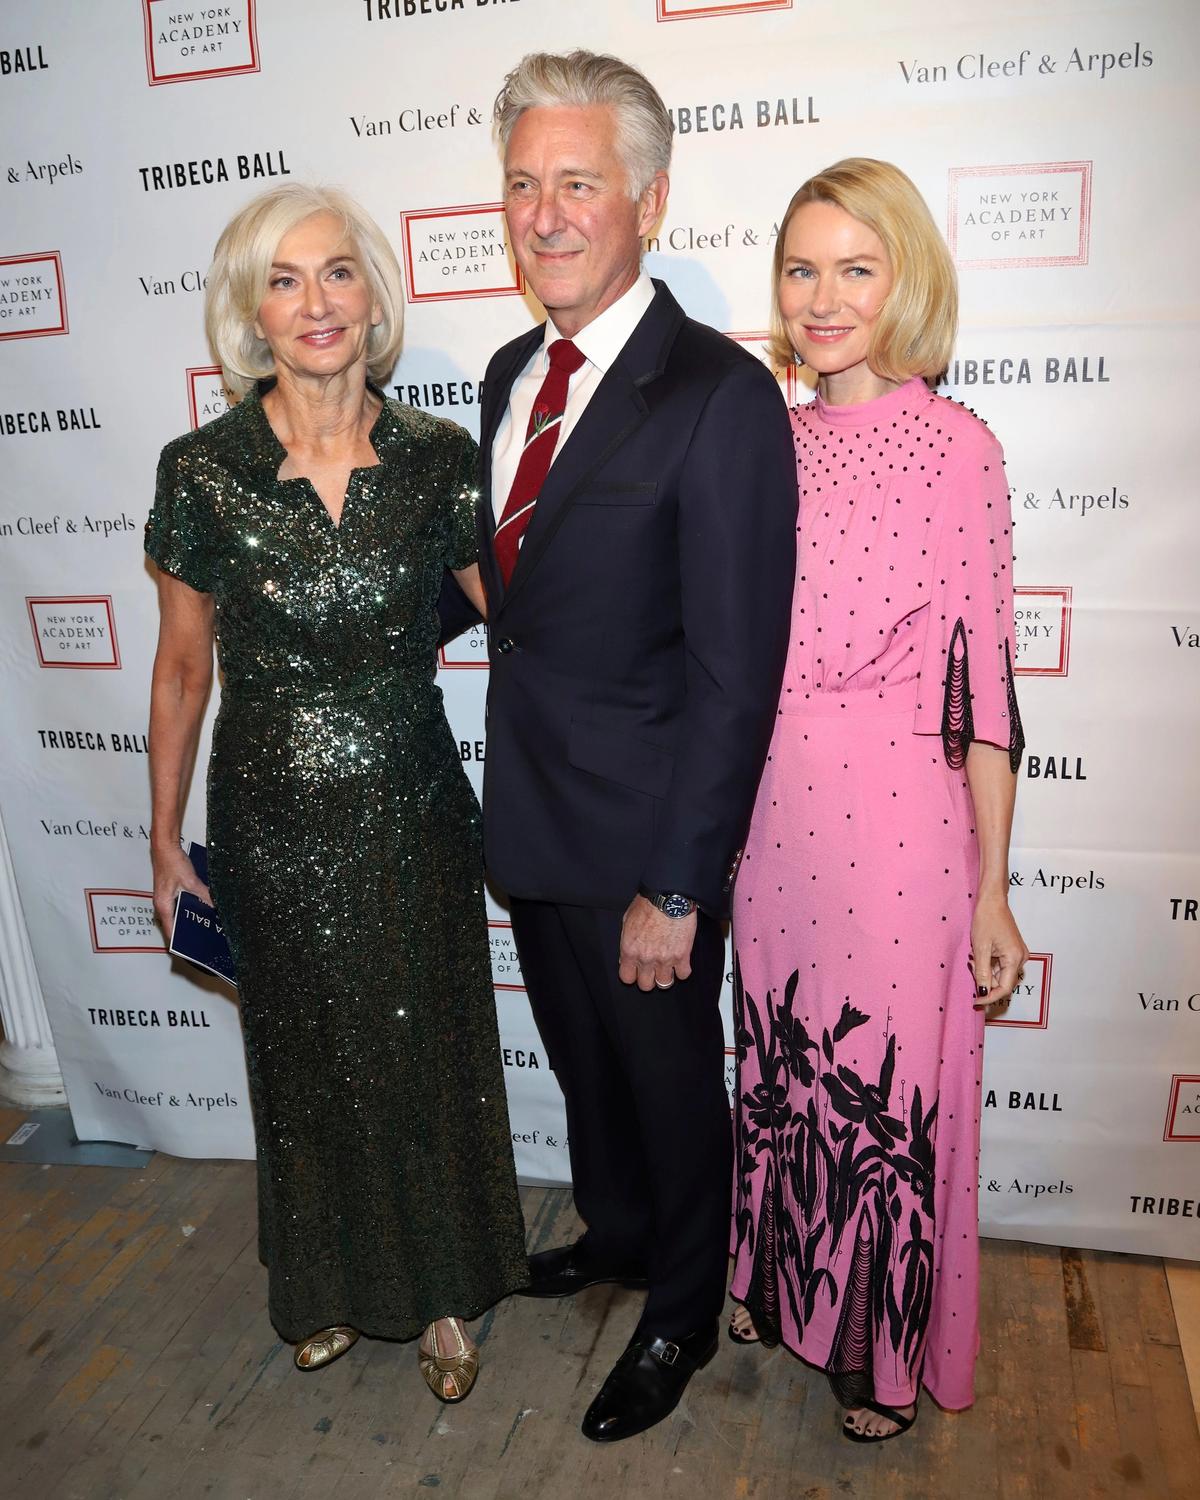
(670, 903)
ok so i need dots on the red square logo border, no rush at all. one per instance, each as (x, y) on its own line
(192, 372)
(41, 333)
(253, 66)
(711, 12)
(1043, 1020)
(509, 988)
(1064, 590)
(459, 210)
(76, 666)
(1177, 1082)
(97, 946)
(1080, 258)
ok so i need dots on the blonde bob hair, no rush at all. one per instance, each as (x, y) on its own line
(237, 280)
(914, 333)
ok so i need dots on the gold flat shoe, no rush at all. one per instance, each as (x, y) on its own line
(449, 1373)
(324, 1347)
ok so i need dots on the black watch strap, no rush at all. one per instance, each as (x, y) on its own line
(671, 903)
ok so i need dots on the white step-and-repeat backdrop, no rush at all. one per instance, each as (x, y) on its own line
(1054, 141)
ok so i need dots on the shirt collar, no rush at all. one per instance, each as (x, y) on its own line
(605, 336)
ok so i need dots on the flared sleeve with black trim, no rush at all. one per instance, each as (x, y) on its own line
(966, 691)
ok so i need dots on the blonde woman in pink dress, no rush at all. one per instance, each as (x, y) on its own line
(871, 918)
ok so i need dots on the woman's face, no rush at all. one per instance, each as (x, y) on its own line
(834, 282)
(318, 312)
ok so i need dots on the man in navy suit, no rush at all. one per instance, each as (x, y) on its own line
(637, 542)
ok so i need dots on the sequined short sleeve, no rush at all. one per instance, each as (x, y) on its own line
(180, 528)
(462, 543)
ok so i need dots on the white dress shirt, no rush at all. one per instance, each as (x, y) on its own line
(600, 343)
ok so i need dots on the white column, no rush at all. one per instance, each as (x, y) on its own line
(29, 1076)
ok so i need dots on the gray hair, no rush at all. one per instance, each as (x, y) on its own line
(549, 80)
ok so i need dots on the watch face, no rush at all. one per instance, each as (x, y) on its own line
(677, 906)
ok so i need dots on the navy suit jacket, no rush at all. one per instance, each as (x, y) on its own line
(637, 652)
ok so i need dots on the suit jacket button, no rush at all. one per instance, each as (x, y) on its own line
(504, 646)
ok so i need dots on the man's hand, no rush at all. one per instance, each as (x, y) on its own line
(656, 950)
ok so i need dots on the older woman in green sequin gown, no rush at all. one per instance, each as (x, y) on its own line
(309, 529)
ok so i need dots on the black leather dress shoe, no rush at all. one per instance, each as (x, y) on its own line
(646, 1383)
(567, 1270)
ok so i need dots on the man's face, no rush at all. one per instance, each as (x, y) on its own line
(575, 230)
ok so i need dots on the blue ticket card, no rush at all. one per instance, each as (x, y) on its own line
(197, 935)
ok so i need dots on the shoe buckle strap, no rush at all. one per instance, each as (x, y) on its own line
(668, 1353)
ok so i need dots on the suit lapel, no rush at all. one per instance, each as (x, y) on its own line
(615, 412)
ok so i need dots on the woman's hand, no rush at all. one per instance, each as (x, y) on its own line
(174, 872)
(998, 950)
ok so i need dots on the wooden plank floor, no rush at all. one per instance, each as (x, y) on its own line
(139, 1364)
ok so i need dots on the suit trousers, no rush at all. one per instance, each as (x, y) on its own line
(643, 1076)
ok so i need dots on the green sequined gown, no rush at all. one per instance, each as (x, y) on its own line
(344, 851)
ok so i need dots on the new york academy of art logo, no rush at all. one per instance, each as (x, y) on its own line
(1038, 214)
(1029, 1008)
(76, 631)
(1042, 621)
(466, 652)
(207, 396)
(123, 922)
(188, 41)
(33, 296)
(506, 967)
(1183, 1108)
(458, 252)
(731, 1077)
(699, 10)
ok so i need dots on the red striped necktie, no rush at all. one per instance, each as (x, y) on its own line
(541, 438)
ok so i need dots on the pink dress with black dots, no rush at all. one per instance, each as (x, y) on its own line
(859, 1050)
